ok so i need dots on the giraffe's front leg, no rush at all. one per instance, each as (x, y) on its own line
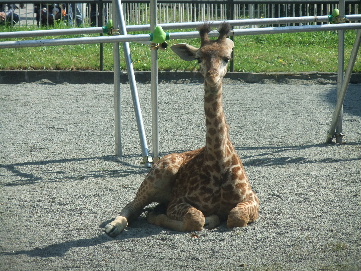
(131, 211)
(156, 187)
(244, 213)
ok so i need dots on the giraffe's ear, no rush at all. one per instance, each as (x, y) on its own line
(185, 51)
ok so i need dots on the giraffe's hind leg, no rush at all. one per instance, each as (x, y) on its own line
(244, 213)
(183, 217)
(192, 220)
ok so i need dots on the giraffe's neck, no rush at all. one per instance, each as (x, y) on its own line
(217, 138)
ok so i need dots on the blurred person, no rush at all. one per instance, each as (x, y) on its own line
(75, 14)
(9, 17)
(48, 14)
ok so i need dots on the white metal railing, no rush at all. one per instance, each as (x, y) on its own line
(175, 35)
(186, 25)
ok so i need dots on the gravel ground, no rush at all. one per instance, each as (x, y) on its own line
(60, 183)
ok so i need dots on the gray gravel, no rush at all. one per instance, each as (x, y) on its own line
(60, 183)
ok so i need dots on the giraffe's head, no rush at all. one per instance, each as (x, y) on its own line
(213, 55)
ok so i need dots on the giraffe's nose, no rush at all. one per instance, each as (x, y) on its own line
(212, 73)
(212, 76)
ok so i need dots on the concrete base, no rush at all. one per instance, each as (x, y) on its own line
(106, 77)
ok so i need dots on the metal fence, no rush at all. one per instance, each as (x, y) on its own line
(98, 12)
(137, 12)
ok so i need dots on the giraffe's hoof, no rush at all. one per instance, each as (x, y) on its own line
(237, 221)
(114, 228)
(212, 222)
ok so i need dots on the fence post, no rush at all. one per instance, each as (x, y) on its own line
(340, 73)
(230, 16)
(132, 83)
(117, 90)
(100, 24)
(343, 89)
(154, 84)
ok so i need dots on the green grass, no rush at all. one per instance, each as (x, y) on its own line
(298, 52)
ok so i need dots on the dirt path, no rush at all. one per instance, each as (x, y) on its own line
(60, 183)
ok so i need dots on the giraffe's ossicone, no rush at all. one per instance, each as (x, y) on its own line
(203, 187)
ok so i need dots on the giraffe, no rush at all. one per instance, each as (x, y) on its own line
(203, 187)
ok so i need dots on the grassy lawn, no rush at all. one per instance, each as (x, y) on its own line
(297, 52)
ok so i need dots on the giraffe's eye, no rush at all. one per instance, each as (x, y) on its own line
(199, 59)
(226, 59)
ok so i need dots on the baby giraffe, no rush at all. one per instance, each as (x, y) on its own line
(203, 187)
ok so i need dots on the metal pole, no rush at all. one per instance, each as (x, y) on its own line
(99, 6)
(177, 35)
(230, 16)
(340, 72)
(52, 32)
(154, 85)
(343, 88)
(133, 86)
(243, 22)
(167, 26)
(117, 93)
